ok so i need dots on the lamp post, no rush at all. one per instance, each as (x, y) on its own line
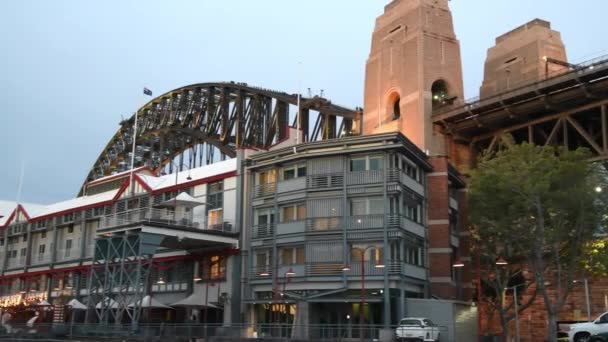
(347, 267)
(587, 301)
(176, 193)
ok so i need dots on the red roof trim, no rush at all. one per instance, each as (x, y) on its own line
(9, 219)
(143, 184)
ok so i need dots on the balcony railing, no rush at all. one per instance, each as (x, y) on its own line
(16, 262)
(264, 189)
(327, 180)
(335, 269)
(67, 254)
(264, 231)
(365, 177)
(170, 218)
(40, 259)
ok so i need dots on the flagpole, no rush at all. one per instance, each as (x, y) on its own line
(299, 102)
(131, 182)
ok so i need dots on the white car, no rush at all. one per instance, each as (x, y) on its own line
(581, 332)
(417, 329)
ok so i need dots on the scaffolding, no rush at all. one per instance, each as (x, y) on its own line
(119, 277)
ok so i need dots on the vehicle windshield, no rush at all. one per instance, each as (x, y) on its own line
(415, 322)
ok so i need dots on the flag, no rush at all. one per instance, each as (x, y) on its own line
(147, 91)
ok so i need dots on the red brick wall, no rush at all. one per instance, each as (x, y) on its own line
(533, 321)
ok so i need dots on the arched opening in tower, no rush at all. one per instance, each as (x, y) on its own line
(440, 94)
(396, 108)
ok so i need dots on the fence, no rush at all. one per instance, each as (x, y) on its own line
(184, 332)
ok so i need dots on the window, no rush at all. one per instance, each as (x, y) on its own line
(412, 212)
(264, 221)
(43, 235)
(68, 244)
(411, 170)
(213, 267)
(23, 252)
(292, 256)
(369, 163)
(294, 171)
(70, 229)
(1, 242)
(294, 212)
(266, 177)
(215, 218)
(98, 211)
(263, 259)
(41, 249)
(215, 195)
(68, 217)
(367, 206)
(25, 238)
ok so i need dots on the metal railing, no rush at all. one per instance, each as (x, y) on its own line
(335, 268)
(39, 259)
(67, 254)
(350, 330)
(264, 231)
(264, 189)
(16, 262)
(581, 69)
(166, 217)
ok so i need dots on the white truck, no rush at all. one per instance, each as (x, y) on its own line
(416, 330)
(581, 332)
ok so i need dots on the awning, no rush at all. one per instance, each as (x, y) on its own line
(76, 305)
(182, 200)
(150, 303)
(107, 302)
(194, 301)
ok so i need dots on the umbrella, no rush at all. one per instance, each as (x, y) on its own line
(193, 301)
(108, 302)
(44, 303)
(150, 303)
(76, 305)
(182, 200)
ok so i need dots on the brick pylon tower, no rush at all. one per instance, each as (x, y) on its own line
(414, 68)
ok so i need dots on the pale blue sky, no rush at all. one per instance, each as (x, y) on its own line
(70, 69)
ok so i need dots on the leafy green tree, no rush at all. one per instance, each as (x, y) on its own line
(539, 206)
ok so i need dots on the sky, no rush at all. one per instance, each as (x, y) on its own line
(69, 70)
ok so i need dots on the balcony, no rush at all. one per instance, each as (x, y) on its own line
(16, 262)
(335, 269)
(365, 177)
(263, 231)
(166, 218)
(262, 190)
(67, 254)
(41, 259)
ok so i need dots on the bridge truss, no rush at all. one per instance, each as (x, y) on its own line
(207, 118)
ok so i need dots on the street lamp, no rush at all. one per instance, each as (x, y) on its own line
(378, 264)
(514, 288)
(587, 301)
(176, 192)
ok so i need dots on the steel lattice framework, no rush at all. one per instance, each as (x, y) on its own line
(218, 116)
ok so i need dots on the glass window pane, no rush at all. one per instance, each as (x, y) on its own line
(287, 256)
(300, 256)
(301, 211)
(357, 164)
(288, 213)
(302, 171)
(376, 163)
(289, 173)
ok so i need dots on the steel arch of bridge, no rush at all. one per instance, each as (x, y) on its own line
(224, 116)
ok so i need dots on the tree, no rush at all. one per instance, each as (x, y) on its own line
(539, 206)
